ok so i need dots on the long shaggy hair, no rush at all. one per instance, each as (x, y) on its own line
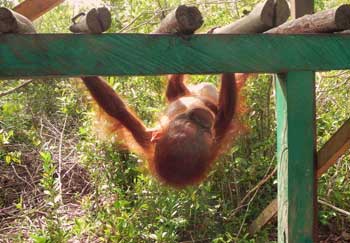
(177, 159)
(180, 158)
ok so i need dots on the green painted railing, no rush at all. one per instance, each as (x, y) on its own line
(138, 54)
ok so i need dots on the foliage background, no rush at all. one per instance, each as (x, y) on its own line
(59, 183)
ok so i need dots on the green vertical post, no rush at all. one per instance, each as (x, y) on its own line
(296, 155)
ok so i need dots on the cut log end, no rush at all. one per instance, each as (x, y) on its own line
(342, 17)
(105, 18)
(96, 21)
(282, 12)
(5, 13)
(267, 13)
(92, 21)
(260, 19)
(189, 18)
(8, 22)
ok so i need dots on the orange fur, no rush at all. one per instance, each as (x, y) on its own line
(109, 128)
(186, 157)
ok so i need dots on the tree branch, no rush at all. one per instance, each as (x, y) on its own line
(339, 210)
(16, 88)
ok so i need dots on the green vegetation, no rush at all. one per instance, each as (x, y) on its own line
(60, 182)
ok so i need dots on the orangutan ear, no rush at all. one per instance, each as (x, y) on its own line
(156, 135)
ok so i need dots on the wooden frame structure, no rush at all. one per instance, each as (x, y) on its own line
(335, 147)
(296, 56)
(73, 55)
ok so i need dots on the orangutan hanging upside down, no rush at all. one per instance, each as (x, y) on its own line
(197, 126)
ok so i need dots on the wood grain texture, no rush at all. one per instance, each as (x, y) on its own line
(282, 12)
(13, 22)
(182, 20)
(260, 19)
(296, 157)
(263, 217)
(299, 117)
(95, 21)
(327, 21)
(264, 16)
(136, 54)
(335, 147)
(33, 9)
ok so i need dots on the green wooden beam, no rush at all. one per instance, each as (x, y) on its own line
(137, 54)
(296, 156)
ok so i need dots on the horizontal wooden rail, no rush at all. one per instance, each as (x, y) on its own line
(335, 147)
(43, 55)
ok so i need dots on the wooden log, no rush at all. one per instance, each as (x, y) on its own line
(12, 22)
(96, 21)
(260, 19)
(182, 20)
(282, 12)
(33, 9)
(335, 147)
(327, 21)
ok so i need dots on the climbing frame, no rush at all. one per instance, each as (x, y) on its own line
(296, 56)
